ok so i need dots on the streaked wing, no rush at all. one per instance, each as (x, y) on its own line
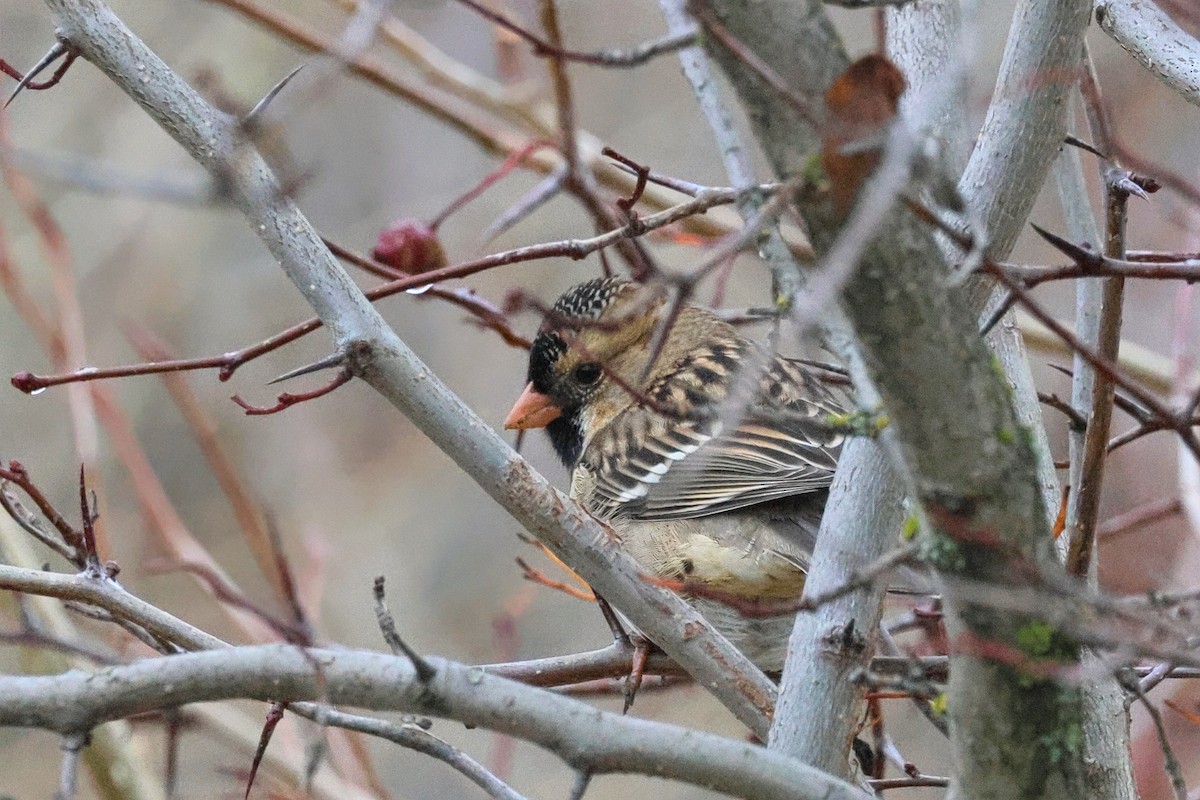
(650, 466)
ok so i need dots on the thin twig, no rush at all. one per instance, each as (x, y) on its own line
(575, 249)
(387, 626)
(1085, 500)
(68, 779)
(411, 736)
(26, 81)
(1170, 762)
(16, 474)
(633, 57)
(289, 399)
(1138, 517)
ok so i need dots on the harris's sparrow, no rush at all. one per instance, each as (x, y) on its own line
(712, 463)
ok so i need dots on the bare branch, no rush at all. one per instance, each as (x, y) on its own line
(608, 58)
(103, 592)
(587, 739)
(68, 780)
(378, 356)
(412, 737)
(228, 363)
(387, 625)
(1156, 42)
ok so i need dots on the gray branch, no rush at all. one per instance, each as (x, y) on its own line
(818, 705)
(785, 270)
(414, 738)
(105, 593)
(1026, 120)
(587, 739)
(1021, 135)
(379, 357)
(1155, 41)
(868, 3)
(963, 443)
(925, 40)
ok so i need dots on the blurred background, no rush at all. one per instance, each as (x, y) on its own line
(354, 489)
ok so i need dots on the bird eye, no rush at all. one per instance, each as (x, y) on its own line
(588, 373)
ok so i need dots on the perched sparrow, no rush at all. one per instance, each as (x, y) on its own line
(712, 463)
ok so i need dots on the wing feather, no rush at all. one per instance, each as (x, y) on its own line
(653, 466)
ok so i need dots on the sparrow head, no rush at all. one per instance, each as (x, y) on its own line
(593, 329)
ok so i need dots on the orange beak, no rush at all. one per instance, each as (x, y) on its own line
(532, 410)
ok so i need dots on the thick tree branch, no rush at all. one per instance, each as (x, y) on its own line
(586, 739)
(1155, 41)
(926, 40)
(818, 705)
(1026, 120)
(972, 463)
(1021, 134)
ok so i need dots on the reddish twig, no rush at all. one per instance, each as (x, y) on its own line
(88, 516)
(1139, 517)
(580, 181)
(1180, 423)
(1095, 265)
(604, 58)
(37, 86)
(227, 363)
(288, 399)
(283, 571)
(225, 592)
(374, 71)
(274, 717)
(16, 474)
(246, 511)
(483, 314)
(1060, 520)
(642, 172)
(510, 163)
(540, 578)
(26, 81)
(751, 59)
(1074, 418)
(908, 783)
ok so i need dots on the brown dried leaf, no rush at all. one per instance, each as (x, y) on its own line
(861, 102)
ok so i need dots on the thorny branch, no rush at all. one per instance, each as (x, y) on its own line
(228, 363)
(389, 365)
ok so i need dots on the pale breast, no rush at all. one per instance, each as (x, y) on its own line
(760, 551)
(741, 556)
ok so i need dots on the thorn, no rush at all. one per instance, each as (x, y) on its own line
(637, 668)
(1080, 255)
(1010, 300)
(334, 360)
(57, 51)
(545, 190)
(614, 622)
(1131, 183)
(1126, 185)
(1082, 145)
(251, 118)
